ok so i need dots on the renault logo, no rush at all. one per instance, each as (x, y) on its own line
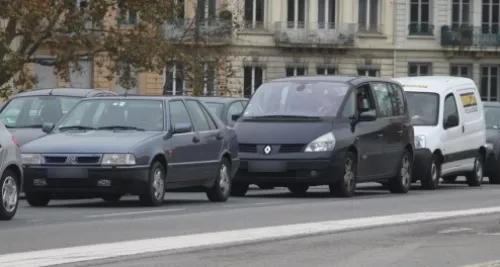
(267, 150)
(71, 160)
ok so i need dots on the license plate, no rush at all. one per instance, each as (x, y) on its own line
(70, 173)
(266, 166)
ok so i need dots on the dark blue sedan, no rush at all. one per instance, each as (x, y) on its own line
(108, 147)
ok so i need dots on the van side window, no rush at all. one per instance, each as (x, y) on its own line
(383, 93)
(399, 100)
(350, 107)
(450, 107)
(364, 99)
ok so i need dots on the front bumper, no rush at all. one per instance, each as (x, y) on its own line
(86, 180)
(281, 170)
(422, 163)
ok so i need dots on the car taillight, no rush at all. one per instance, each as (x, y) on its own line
(14, 139)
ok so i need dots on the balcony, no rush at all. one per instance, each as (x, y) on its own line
(288, 34)
(209, 30)
(466, 35)
(420, 29)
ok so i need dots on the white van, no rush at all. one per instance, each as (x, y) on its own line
(450, 132)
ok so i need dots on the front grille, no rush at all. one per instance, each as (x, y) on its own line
(291, 148)
(55, 160)
(72, 160)
(248, 148)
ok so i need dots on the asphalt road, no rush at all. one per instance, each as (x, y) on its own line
(67, 223)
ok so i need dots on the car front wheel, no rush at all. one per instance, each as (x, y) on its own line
(10, 195)
(475, 177)
(431, 178)
(347, 185)
(401, 183)
(222, 186)
(155, 191)
(38, 199)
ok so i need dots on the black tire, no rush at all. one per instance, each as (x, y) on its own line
(475, 177)
(265, 186)
(298, 189)
(112, 197)
(221, 189)
(9, 184)
(430, 180)
(347, 185)
(494, 178)
(37, 199)
(450, 179)
(155, 192)
(400, 184)
(239, 189)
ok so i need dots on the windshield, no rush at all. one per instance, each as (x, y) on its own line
(115, 114)
(216, 108)
(492, 117)
(309, 99)
(33, 111)
(424, 108)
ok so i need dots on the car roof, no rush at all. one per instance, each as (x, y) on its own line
(219, 99)
(76, 92)
(491, 104)
(144, 97)
(354, 80)
(435, 84)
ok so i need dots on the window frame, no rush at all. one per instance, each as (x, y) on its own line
(254, 84)
(490, 26)
(192, 113)
(326, 23)
(296, 23)
(366, 72)
(444, 109)
(420, 22)
(295, 71)
(419, 65)
(254, 22)
(459, 68)
(489, 87)
(457, 22)
(170, 124)
(174, 70)
(368, 27)
(326, 71)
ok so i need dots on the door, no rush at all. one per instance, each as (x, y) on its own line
(185, 149)
(369, 136)
(235, 108)
(451, 137)
(392, 127)
(211, 139)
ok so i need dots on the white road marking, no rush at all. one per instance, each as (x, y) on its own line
(131, 213)
(254, 204)
(103, 251)
(455, 230)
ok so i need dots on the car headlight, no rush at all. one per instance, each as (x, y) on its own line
(489, 146)
(31, 159)
(419, 141)
(118, 159)
(323, 143)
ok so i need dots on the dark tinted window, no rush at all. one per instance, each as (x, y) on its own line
(349, 110)
(383, 98)
(399, 100)
(450, 106)
(209, 117)
(424, 108)
(199, 119)
(178, 113)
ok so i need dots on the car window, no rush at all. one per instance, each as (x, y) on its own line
(178, 113)
(383, 98)
(234, 109)
(209, 117)
(364, 98)
(350, 107)
(450, 107)
(423, 108)
(216, 108)
(199, 119)
(399, 107)
(244, 103)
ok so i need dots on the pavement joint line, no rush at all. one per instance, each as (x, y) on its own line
(131, 213)
(59, 256)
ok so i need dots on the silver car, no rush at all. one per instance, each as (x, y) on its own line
(11, 180)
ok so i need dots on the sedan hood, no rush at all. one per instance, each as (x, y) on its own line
(25, 135)
(280, 132)
(88, 142)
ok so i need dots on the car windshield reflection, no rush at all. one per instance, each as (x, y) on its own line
(424, 108)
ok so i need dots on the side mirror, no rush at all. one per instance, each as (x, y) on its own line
(47, 127)
(451, 121)
(370, 115)
(182, 128)
(235, 117)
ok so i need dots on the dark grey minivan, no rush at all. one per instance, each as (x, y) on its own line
(298, 132)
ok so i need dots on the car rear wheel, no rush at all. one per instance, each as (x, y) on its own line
(10, 195)
(239, 189)
(155, 192)
(450, 179)
(401, 183)
(347, 185)
(475, 177)
(37, 199)
(431, 178)
(112, 197)
(298, 189)
(222, 186)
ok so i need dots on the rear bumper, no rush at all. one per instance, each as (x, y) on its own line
(422, 163)
(277, 170)
(88, 180)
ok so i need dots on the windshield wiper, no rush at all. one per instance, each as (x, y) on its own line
(27, 126)
(120, 127)
(76, 127)
(285, 117)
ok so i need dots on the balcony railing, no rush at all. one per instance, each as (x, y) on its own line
(420, 29)
(314, 34)
(466, 35)
(204, 30)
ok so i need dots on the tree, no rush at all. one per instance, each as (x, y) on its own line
(130, 35)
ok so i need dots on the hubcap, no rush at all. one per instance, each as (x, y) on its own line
(434, 172)
(158, 184)
(224, 179)
(348, 174)
(9, 194)
(479, 170)
(405, 171)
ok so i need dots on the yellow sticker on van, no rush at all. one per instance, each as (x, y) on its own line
(415, 85)
(469, 102)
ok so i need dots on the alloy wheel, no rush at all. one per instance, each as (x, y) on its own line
(9, 194)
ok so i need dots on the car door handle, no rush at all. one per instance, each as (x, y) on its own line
(380, 135)
(196, 139)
